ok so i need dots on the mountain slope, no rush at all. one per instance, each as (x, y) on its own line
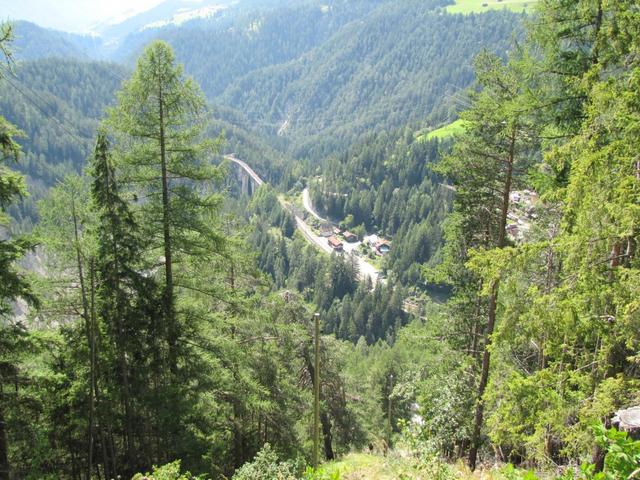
(120, 36)
(58, 104)
(395, 66)
(164, 12)
(222, 49)
(33, 42)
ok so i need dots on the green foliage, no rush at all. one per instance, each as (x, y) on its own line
(621, 460)
(426, 461)
(563, 350)
(267, 466)
(321, 474)
(623, 455)
(170, 471)
(387, 185)
(15, 341)
(383, 60)
(12, 187)
(432, 467)
(509, 472)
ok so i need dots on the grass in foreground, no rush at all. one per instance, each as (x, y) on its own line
(363, 466)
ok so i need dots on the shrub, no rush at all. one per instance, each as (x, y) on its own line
(267, 466)
(170, 471)
(622, 460)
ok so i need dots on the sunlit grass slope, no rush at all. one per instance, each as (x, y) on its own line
(363, 466)
(441, 133)
(479, 6)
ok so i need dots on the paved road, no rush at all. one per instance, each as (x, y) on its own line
(306, 201)
(304, 228)
(310, 235)
(365, 269)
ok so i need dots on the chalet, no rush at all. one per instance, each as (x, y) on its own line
(337, 230)
(350, 237)
(326, 230)
(335, 243)
(382, 247)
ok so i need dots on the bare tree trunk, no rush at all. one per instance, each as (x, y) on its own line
(4, 445)
(88, 329)
(326, 435)
(484, 378)
(172, 331)
(493, 302)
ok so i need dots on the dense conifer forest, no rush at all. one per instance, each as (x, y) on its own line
(161, 312)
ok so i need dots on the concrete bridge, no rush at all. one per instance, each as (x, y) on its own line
(249, 179)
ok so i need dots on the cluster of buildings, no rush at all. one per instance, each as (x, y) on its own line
(334, 239)
(380, 245)
(337, 238)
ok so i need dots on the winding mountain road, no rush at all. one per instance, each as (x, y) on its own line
(306, 201)
(365, 269)
(304, 228)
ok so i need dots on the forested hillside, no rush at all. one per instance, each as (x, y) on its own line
(278, 65)
(400, 64)
(387, 185)
(177, 324)
(33, 42)
(57, 104)
(425, 58)
(219, 51)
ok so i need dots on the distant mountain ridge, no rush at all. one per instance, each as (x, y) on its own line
(155, 17)
(103, 42)
(218, 53)
(308, 77)
(33, 42)
(398, 64)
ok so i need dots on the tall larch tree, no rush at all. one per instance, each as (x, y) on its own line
(159, 122)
